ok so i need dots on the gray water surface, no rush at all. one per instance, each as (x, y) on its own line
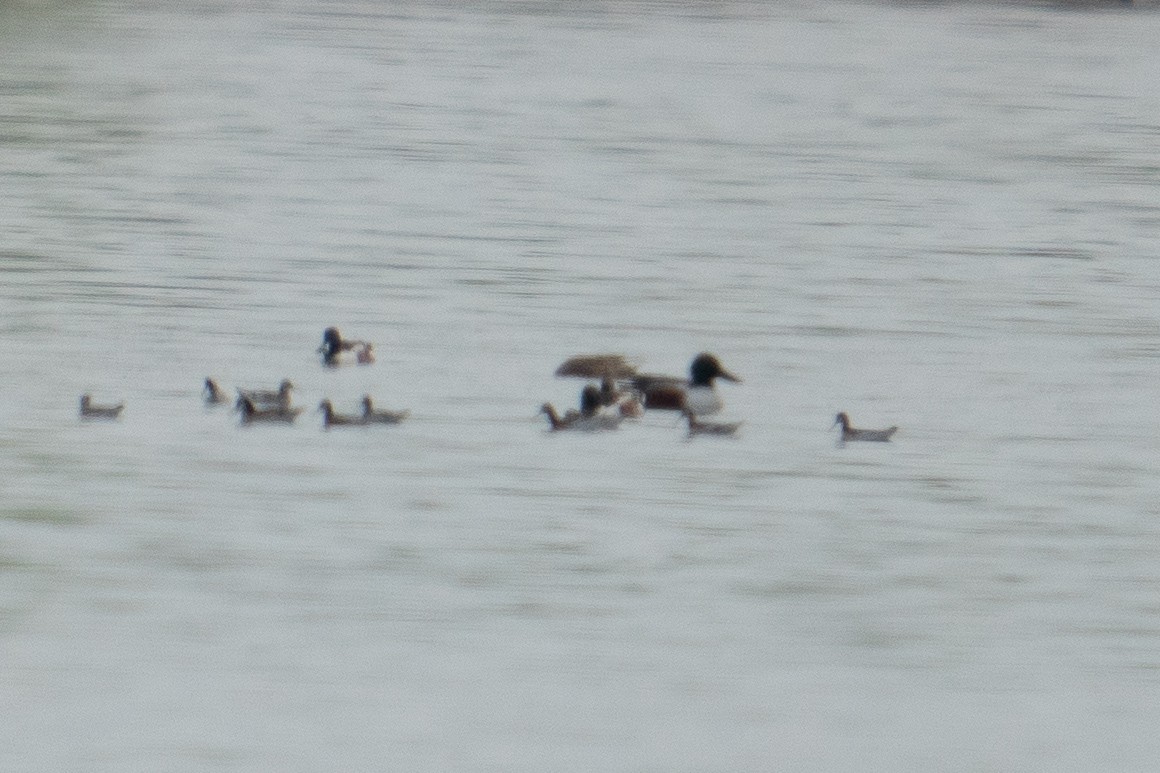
(942, 217)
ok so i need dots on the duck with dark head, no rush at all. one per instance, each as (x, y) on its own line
(696, 394)
(333, 345)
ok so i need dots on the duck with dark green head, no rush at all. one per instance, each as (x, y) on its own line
(697, 394)
(333, 345)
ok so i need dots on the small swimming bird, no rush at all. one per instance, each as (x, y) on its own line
(676, 394)
(371, 416)
(871, 435)
(365, 355)
(264, 398)
(90, 411)
(277, 414)
(555, 421)
(698, 427)
(332, 419)
(213, 394)
(333, 345)
(587, 419)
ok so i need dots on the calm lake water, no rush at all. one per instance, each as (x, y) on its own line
(942, 217)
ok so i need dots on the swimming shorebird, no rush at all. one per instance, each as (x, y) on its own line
(872, 435)
(676, 394)
(90, 411)
(588, 419)
(213, 394)
(265, 398)
(332, 419)
(371, 416)
(277, 414)
(699, 427)
(556, 422)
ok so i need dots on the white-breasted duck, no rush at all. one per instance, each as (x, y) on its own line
(697, 394)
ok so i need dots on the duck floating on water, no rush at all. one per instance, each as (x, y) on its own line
(697, 394)
(850, 434)
(371, 416)
(89, 410)
(333, 345)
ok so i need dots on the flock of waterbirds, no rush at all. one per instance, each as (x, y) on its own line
(275, 406)
(616, 392)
